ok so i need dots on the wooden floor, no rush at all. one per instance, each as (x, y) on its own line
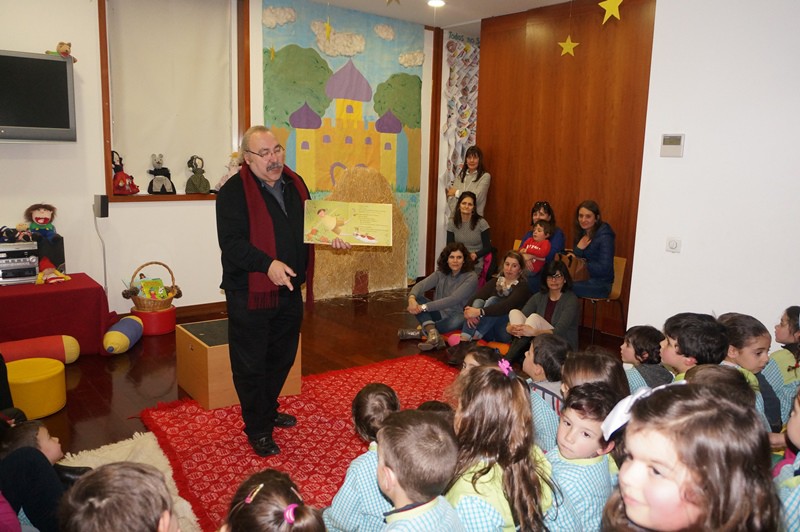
(106, 394)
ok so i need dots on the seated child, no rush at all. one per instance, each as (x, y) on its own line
(748, 351)
(726, 378)
(359, 503)
(692, 339)
(542, 363)
(119, 496)
(28, 451)
(535, 249)
(502, 479)
(479, 355)
(580, 462)
(788, 479)
(269, 501)
(692, 453)
(416, 459)
(641, 355)
(783, 369)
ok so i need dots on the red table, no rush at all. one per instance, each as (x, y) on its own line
(77, 307)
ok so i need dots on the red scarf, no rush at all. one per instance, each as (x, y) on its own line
(263, 293)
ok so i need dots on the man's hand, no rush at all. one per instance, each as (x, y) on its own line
(281, 274)
(338, 243)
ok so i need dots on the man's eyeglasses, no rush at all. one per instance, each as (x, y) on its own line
(266, 153)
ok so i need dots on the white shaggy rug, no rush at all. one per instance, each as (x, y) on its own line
(143, 448)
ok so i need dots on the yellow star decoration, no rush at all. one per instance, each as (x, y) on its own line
(272, 53)
(328, 29)
(612, 9)
(568, 47)
(390, 1)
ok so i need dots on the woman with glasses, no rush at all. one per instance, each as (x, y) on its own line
(555, 305)
(542, 210)
(472, 178)
(594, 241)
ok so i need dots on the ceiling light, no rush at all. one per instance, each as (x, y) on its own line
(436, 3)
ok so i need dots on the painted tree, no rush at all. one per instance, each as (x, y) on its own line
(293, 76)
(401, 94)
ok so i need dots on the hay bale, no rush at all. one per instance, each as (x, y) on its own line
(363, 268)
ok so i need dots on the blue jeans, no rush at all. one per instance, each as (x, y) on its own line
(592, 288)
(490, 328)
(442, 323)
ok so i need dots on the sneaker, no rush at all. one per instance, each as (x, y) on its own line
(409, 334)
(284, 421)
(264, 446)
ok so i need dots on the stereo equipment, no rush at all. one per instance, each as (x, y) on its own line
(19, 263)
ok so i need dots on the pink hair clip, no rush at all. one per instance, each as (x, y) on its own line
(288, 513)
(505, 366)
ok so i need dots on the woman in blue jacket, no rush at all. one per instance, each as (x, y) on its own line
(594, 241)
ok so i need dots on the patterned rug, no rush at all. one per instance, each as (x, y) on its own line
(210, 455)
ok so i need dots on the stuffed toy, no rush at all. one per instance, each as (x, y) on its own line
(162, 179)
(40, 218)
(233, 168)
(9, 235)
(48, 274)
(123, 183)
(64, 49)
(197, 184)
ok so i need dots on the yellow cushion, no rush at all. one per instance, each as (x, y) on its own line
(38, 386)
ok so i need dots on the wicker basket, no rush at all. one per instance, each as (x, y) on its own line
(147, 304)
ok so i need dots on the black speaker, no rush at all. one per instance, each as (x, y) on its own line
(100, 206)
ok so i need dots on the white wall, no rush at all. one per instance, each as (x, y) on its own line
(724, 73)
(68, 175)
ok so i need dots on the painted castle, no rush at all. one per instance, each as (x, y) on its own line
(325, 147)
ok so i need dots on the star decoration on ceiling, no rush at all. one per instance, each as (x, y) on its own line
(612, 9)
(390, 1)
(568, 47)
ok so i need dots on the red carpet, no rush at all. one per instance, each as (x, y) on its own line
(210, 455)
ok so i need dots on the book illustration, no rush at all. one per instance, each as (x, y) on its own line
(153, 289)
(359, 224)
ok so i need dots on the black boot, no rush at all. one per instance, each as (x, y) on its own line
(69, 475)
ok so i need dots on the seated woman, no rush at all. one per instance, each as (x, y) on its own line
(487, 317)
(471, 229)
(453, 282)
(542, 210)
(594, 241)
(556, 303)
(474, 178)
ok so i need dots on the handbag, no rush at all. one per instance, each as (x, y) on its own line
(576, 266)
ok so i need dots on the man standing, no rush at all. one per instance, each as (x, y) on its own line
(264, 262)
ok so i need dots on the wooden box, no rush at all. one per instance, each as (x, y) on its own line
(204, 367)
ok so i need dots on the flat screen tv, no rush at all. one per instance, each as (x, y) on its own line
(37, 98)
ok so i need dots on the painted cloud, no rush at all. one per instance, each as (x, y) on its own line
(384, 31)
(412, 59)
(277, 16)
(347, 44)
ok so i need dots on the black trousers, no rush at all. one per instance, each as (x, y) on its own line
(262, 346)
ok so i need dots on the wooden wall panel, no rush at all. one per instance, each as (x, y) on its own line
(563, 128)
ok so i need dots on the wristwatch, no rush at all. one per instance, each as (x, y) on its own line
(424, 307)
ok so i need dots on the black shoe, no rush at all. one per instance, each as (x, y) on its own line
(284, 421)
(264, 446)
(69, 475)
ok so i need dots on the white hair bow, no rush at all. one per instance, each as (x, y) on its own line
(621, 413)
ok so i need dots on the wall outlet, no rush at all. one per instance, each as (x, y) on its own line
(673, 245)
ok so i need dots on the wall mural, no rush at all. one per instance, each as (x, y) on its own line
(343, 89)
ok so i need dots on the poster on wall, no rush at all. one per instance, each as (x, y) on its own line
(343, 89)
